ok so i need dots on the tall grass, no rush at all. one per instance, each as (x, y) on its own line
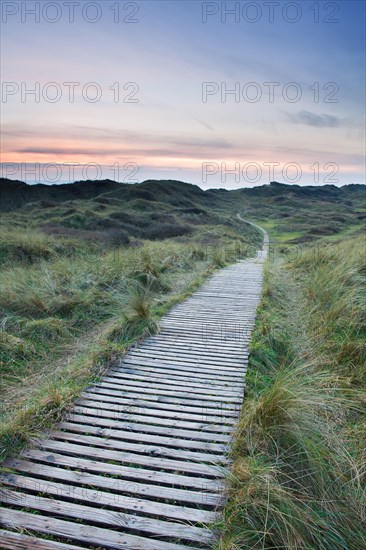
(298, 478)
(334, 288)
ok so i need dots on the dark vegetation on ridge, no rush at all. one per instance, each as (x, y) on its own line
(118, 214)
(158, 209)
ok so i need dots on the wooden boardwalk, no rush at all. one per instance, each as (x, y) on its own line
(140, 462)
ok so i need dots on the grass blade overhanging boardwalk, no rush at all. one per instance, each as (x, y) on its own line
(140, 461)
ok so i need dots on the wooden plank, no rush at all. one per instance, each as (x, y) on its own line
(107, 383)
(137, 481)
(204, 349)
(198, 333)
(178, 372)
(175, 357)
(17, 541)
(206, 318)
(163, 382)
(175, 342)
(210, 369)
(203, 309)
(102, 498)
(164, 451)
(161, 426)
(158, 430)
(174, 380)
(209, 365)
(154, 527)
(89, 534)
(202, 339)
(114, 389)
(119, 411)
(202, 352)
(106, 423)
(140, 438)
(132, 458)
(199, 311)
(211, 338)
(228, 298)
(188, 368)
(196, 369)
(207, 322)
(161, 385)
(214, 416)
(197, 303)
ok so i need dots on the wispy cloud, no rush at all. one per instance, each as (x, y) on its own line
(204, 124)
(309, 118)
(178, 150)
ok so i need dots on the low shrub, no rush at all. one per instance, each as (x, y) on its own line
(157, 230)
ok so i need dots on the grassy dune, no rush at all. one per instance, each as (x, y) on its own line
(298, 478)
(110, 212)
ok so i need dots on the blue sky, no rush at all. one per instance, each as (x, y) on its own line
(172, 67)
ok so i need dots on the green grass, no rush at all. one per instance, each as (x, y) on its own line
(298, 477)
(39, 399)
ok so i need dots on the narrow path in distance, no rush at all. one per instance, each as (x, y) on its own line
(263, 253)
(140, 461)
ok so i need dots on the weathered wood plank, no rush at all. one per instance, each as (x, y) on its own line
(133, 458)
(83, 533)
(107, 383)
(115, 390)
(219, 338)
(149, 429)
(204, 338)
(154, 424)
(207, 455)
(190, 368)
(190, 350)
(129, 480)
(154, 527)
(161, 386)
(223, 414)
(178, 372)
(197, 427)
(209, 337)
(141, 438)
(188, 358)
(113, 498)
(17, 541)
(169, 379)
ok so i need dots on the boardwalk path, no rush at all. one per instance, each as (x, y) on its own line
(140, 461)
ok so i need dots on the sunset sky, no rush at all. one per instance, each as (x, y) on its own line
(163, 125)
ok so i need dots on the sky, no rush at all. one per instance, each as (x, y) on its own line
(219, 94)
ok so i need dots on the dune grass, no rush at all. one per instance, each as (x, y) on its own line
(298, 477)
